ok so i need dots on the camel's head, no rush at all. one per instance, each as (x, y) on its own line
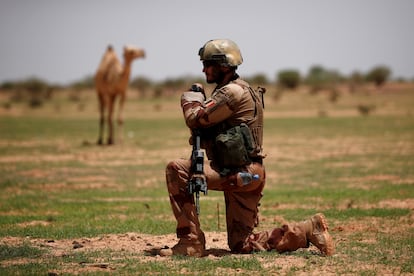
(132, 52)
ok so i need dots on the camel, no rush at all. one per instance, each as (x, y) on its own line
(111, 81)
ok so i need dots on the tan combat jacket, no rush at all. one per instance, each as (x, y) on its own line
(228, 106)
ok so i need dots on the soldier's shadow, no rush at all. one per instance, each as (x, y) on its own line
(216, 252)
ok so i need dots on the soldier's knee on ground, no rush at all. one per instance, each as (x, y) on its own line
(238, 233)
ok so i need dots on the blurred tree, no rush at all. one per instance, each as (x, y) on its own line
(34, 85)
(142, 84)
(288, 79)
(319, 78)
(257, 79)
(378, 75)
(356, 79)
(85, 83)
(316, 78)
(38, 91)
(8, 85)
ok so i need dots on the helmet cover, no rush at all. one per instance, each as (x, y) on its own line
(224, 51)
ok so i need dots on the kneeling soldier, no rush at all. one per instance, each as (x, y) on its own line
(231, 127)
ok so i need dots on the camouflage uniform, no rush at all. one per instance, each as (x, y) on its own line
(231, 105)
(228, 106)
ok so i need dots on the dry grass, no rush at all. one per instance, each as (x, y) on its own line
(372, 222)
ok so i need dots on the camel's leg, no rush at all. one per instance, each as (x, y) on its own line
(120, 130)
(111, 101)
(101, 118)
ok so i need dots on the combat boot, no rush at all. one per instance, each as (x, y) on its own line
(187, 247)
(317, 233)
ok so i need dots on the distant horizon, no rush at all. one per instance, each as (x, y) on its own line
(194, 76)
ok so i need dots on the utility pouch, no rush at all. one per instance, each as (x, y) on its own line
(233, 147)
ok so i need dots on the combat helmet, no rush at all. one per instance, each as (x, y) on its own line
(223, 51)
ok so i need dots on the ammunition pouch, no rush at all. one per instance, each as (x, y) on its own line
(233, 148)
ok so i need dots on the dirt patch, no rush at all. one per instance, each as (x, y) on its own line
(141, 246)
(34, 223)
(361, 182)
(129, 242)
(384, 204)
(394, 203)
(138, 248)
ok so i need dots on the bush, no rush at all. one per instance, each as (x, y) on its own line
(378, 75)
(318, 78)
(8, 85)
(258, 79)
(142, 84)
(86, 83)
(289, 79)
(356, 79)
(38, 91)
(34, 91)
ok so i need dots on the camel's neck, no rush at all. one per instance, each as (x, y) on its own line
(126, 72)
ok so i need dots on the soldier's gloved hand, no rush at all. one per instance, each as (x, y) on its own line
(192, 104)
(192, 97)
(195, 94)
(198, 89)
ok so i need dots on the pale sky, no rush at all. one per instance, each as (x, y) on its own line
(62, 41)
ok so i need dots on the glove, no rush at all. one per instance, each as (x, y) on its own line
(190, 97)
(197, 87)
(195, 94)
(191, 103)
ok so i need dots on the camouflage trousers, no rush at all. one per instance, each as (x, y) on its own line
(241, 213)
(241, 202)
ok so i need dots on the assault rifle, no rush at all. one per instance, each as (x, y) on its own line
(197, 183)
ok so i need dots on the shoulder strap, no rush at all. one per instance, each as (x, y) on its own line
(253, 93)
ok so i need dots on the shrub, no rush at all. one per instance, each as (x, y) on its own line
(318, 78)
(378, 75)
(289, 79)
(356, 79)
(85, 83)
(258, 79)
(34, 91)
(38, 91)
(142, 84)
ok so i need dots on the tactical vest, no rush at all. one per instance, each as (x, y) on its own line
(256, 124)
(239, 145)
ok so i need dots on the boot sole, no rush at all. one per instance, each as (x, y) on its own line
(322, 227)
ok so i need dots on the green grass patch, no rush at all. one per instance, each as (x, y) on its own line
(358, 170)
(24, 250)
